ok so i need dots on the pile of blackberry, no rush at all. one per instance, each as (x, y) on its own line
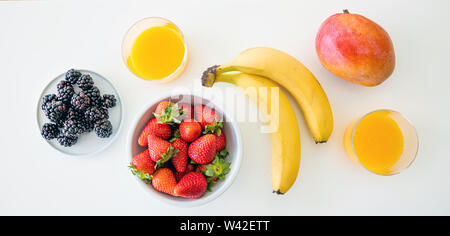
(73, 113)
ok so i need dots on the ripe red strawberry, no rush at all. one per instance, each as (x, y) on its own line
(188, 111)
(164, 181)
(143, 167)
(193, 185)
(143, 163)
(203, 149)
(190, 130)
(221, 141)
(161, 107)
(160, 150)
(205, 115)
(201, 168)
(153, 127)
(179, 175)
(180, 160)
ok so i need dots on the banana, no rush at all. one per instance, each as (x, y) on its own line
(293, 76)
(285, 140)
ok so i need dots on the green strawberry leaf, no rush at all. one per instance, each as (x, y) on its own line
(143, 176)
(171, 152)
(175, 136)
(216, 170)
(210, 173)
(216, 127)
(223, 154)
(172, 115)
(209, 188)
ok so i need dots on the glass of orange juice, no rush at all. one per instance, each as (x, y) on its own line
(383, 141)
(155, 49)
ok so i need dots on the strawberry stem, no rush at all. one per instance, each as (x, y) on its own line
(217, 169)
(172, 115)
(216, 127)
(176, 135)
(171, 152)
(147, 178)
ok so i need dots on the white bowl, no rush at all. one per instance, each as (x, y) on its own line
(234, 147)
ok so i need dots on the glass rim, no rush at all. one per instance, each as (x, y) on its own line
(409, 123)
(176, 71)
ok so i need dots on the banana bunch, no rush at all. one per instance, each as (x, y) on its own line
(267, 67)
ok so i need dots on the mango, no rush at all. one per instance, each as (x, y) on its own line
(356, 49)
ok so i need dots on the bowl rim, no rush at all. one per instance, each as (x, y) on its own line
(113, 139)
(230, 177)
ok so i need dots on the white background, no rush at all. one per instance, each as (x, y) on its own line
(40, 40)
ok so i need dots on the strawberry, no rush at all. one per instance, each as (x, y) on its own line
(169, 113)
(153, 127)
(215, 127)
(221, 140)
(143, 163)
(201, 168)
(162, 106)
(187, 110)
(164, 181)
(143, 166)
(160, 150)
(203, 149)
(180, 160)
(179, 175)
(216, 170)
(205, 115)
(190, 130)
(193, 185)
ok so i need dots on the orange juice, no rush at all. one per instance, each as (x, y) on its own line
(377, 142)
(157, 52)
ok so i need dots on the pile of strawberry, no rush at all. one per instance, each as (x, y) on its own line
(186, 150)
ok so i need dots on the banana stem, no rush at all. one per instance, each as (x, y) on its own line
(225, 78)
(209, 76)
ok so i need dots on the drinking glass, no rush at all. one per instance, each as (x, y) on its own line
(410, 144)
(141, 26)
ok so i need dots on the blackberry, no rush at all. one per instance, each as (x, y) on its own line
(73, 127)
(67, 140)
(80, 101)
(73, 114)
(109, 101)
(94, 94)
(103, 128)
(47, 99)
(87, 126)
(55, 110)
(93, 114)
(60, 123)
(65, 91)
(72, 76)
(85, 82)
(78, 116)
(105, 112)
(49, 131)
